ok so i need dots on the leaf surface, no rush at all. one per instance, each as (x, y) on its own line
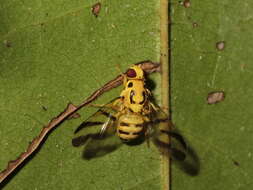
(220, 134)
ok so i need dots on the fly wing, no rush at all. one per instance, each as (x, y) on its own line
(98, 147)
(177, 146)
(97, 133)
(184, 155)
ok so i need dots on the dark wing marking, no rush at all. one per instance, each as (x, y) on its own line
(88, 124)
(177, 147)
(81, 140)
(174, 152)
(98, 123)
(177, 136)
(99, 118)
(97, 133)
(180, 151)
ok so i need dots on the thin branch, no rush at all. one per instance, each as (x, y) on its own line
(147, 66)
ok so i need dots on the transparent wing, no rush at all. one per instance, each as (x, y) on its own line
(97, 133)
(179, 151)
(160, 128)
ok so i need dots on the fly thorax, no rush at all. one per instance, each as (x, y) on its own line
(135, 95)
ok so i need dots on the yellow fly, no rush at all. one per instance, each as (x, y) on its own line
(132, 116)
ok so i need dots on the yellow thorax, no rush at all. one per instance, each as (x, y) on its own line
(134, 94)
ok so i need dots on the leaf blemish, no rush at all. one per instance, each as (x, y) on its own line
(215, 97)
(187, 3)
(220, 45)
(96, 9)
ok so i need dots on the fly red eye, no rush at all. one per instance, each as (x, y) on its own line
(131, 73)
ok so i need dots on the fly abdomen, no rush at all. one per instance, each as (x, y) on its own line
(130, 127)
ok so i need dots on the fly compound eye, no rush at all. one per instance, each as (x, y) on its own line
(131, 73)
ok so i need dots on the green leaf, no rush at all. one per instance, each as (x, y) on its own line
(56, 52)
(220, 134)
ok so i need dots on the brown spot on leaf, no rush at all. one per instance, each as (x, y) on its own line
(220, 45)
(215, 97)
(187, 3)
(96, 9)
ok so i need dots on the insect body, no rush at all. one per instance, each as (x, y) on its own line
(132, 116)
